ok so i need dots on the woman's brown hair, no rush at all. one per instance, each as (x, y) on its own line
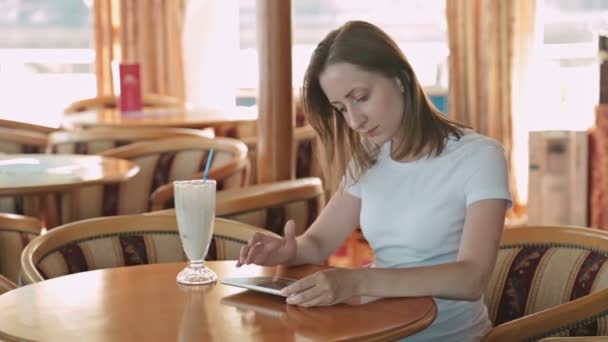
(347, 152)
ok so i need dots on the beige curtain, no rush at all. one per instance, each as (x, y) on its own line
(488, 42)
(146, 32)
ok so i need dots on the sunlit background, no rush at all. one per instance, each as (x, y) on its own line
(47, 56)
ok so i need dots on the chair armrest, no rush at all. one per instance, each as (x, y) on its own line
(253, 197)
(251, 142)
(160, 196)
(6, 285)
(163, 193)
(551, 321)
(23, 224)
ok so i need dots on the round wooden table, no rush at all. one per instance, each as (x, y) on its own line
(170, 117)
(144, 303)
(22, 174)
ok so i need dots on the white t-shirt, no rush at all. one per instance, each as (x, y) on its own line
(412, 214)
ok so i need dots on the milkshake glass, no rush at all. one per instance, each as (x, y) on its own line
(195, 211)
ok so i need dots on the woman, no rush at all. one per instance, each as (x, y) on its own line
(429, 194)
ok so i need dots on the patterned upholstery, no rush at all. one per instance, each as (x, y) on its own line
(123, 241)
(161, 161)
(98, 140)
(14, 140)
(542, 271)
(6, 285)
(303, 204)
(271, 205)
(305, 140)
(15, 233)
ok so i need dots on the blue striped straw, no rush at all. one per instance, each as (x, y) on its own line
(209, 158)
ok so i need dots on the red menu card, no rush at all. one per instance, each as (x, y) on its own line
(130, 87)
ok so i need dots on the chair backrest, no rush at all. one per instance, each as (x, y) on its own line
(271, 205)
(16, 232)
(305, 139)
(14, 140)
(6, 285)
(161, 161)
(123, 241)
(4, 123)
(539, 268)
(111, 101)
(98, 140)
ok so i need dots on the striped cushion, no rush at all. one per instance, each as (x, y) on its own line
(22, 205)
(12, 242)
(12, 147)
(529, 279)
(138, 248)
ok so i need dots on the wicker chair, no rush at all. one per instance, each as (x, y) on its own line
(24, 126)
(270, 205)
(98, 140)
(123, 241)
(14, 140)
(161, 161)
(16, 232)
(549, 282)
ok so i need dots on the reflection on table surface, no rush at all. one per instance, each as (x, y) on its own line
(37, 173)
(196, 118)
(145, 303)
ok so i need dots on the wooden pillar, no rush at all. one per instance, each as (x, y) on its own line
(102, 14)
(603, 41)
(275, 148)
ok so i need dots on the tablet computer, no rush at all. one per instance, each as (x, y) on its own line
(271, 285)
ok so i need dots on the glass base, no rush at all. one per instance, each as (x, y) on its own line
(196, 273)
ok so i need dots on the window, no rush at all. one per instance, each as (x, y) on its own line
(563, 87)
(418, 26)
(46, 58)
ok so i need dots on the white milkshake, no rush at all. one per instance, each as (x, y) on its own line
(195, 211)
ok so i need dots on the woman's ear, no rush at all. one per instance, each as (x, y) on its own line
(400, 84)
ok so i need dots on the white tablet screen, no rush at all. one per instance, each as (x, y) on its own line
(272, 285)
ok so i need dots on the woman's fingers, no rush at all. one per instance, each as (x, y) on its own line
(299, 286)
(253, 251)
(290, 230)
(261, 246)
(243, 255)
(245, 250)
(313, 296)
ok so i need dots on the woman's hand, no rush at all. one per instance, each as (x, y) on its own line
(323, 288)
(270, 251)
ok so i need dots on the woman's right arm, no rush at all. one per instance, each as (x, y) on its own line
(339, 217)
(336, 221)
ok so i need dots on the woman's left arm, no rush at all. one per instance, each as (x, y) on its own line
(463, 279)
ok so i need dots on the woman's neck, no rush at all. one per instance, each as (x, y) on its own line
(426, 150)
